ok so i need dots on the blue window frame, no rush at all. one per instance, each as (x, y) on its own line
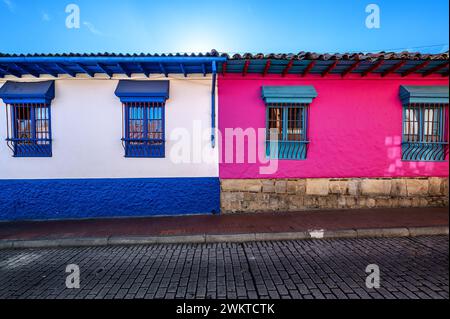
(425, 132)
(31, 130)
(28, 116)
(143, 113)
(144, 129)
(425, 122)
(287, 114)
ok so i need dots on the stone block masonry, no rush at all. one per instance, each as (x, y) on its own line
(284, 195)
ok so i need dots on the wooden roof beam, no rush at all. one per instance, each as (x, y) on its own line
(436, 69)
(309, 68)
(224, 68)
(267, 67)
(142, 67)
(85, 69)
(183, 70)
(351, 68)
(65, 70)
(287, 68)
(204, 69)
(24, 69)
(8, 71)
(373, 68)
(330, 68)
(46, 71)
(393, 68)
(416, 68)
(245, 69)
(103, 68)
(124, 69)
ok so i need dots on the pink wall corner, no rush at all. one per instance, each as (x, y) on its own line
(355, 127)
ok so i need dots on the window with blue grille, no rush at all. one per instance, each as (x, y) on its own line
(31, 134)
(28, 117)
(144, 107)
(425, 132)
(425, 122)
(144, 134)
(287, 113)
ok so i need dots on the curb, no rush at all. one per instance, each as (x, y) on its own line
(226, 238)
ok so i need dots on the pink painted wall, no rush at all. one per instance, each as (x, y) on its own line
(355, 127)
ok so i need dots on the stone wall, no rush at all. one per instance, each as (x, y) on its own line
(266, 195)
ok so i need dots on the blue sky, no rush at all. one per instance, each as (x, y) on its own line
(158, 26)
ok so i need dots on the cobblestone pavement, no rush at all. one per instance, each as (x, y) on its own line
(410, 268)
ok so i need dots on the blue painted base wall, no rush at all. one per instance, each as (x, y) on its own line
(98, 198)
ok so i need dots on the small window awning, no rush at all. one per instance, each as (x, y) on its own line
(142, 91)
(410, 94)
(27, 92)
(289, 94)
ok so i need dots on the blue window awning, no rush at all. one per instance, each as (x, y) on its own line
(289, 94)
(410, 94)
(142, 91)
(28, 92)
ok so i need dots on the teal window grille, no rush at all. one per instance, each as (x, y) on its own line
(425, 123)
(287, 116)
(287, 131)
(425, 132)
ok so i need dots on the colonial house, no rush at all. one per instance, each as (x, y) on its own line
(106, 135)
(87, 136)
(341, 131)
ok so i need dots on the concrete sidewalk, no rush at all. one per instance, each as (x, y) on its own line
(227, 228)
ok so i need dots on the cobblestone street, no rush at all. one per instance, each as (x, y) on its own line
(329, 269)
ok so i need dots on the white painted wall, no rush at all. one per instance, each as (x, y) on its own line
(87, 128)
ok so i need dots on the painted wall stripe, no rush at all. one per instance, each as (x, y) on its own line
(94, 198)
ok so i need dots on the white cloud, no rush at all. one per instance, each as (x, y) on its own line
(92, 28)
(9, 4)
(45, 16)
